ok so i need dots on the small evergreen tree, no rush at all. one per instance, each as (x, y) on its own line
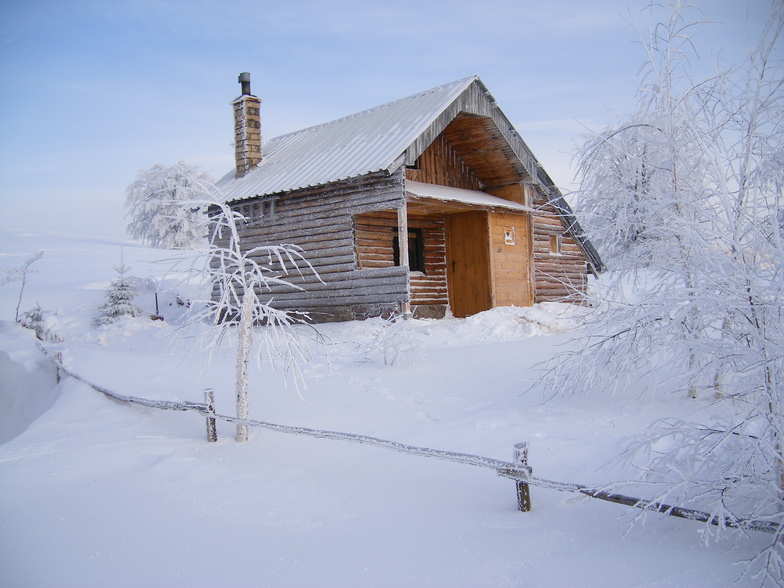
(118, 298)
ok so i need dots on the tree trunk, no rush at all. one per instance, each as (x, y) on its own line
(245, 337)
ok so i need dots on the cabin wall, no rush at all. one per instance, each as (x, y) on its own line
(374, 236)
(320, 221)
(560, 267)
(514, 192)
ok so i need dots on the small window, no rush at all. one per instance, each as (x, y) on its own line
(509, 236)
(416, 250)
(555, 244)
(238, 209)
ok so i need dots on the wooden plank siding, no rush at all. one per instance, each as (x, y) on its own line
(440, 164)
(320, 220)
(476, 102)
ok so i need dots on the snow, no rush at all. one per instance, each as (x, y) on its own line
(94, 492)
(28, 381)
(427, 191)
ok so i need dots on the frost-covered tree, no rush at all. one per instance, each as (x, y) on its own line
(19, 274)
(163, 206)
(240, 281)
(119, 298)
(630, 165)
(686, 193)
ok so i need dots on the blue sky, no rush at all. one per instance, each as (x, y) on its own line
(91, 92)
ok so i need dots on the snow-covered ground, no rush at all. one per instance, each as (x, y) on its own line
(97, 493)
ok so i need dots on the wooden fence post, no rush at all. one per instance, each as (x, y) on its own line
(523, 492)
(58, 358)
(209, 400)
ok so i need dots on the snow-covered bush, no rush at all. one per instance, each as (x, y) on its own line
(164, 206)
(37, 320)
(394, 342)
(685, 196)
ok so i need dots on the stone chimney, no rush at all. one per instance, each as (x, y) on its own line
(247, 128)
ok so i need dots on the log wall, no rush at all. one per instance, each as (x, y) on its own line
(374, 235)
(320, 220)
(559, 276)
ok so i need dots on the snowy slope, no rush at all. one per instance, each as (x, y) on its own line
(97, 493)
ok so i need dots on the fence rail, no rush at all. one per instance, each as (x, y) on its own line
(518, 470)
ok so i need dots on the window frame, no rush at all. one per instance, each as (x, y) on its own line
(416, 250)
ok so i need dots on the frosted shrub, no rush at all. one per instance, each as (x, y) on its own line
(394, 343)
(37, 320)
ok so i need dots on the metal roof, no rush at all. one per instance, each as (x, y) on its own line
(369, 141)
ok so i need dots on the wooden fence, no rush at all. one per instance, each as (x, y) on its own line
(517, 470)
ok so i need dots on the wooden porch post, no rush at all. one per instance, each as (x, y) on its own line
(402, 241)
(528, 200)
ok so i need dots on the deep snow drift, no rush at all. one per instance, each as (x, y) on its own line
(97, 493)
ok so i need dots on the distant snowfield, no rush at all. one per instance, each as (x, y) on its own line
(97, 493)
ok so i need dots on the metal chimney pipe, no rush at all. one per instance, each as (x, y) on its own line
(244, 79)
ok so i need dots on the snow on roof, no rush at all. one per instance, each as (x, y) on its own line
(472, 197)
(369, 141)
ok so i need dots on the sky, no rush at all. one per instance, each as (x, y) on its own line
(93, 91)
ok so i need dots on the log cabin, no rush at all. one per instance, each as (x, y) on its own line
(428, 206)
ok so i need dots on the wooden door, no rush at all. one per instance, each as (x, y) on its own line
(468, 263)
(510, 259)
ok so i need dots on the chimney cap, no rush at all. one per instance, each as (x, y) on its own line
(244, 79)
